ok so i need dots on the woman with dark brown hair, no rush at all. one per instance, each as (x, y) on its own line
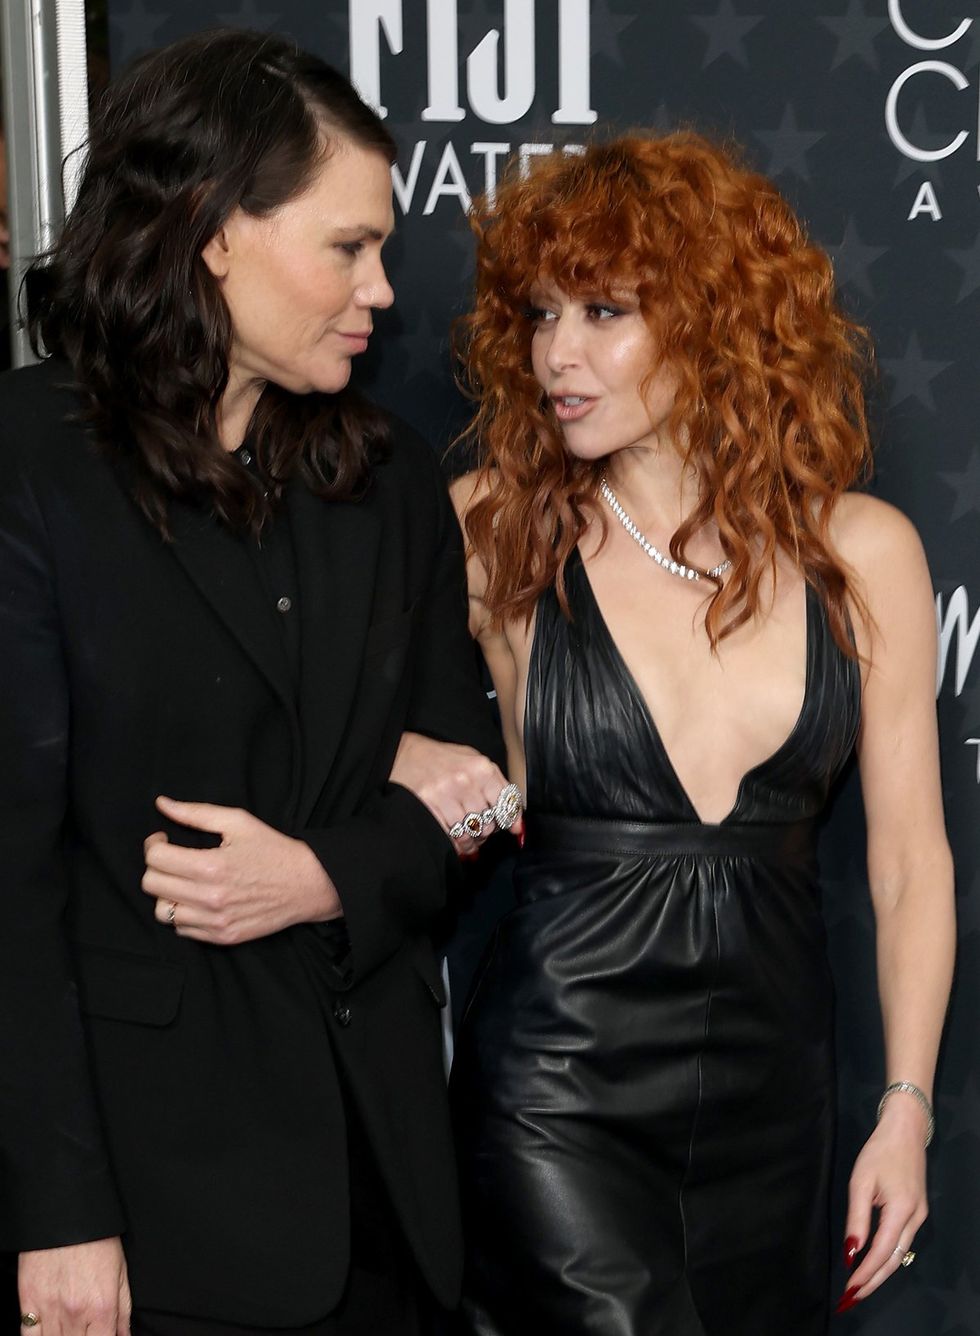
(231, 604)
(690, 620)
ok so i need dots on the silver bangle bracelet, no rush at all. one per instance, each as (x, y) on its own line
(907, 1088)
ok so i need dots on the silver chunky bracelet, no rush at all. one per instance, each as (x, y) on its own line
(907, 1088)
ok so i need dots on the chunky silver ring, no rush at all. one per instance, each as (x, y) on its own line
(508, 807)
(489, 815)
(30, 1320)
(472, 824)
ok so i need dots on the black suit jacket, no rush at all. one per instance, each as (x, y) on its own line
(186, 1095)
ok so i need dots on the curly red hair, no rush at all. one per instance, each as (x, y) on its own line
(770, 371)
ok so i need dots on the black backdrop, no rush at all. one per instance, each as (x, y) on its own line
(865, 112)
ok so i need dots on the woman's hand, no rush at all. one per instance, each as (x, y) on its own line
(256, 882)
(889, 1175)
(451, 780)
(81, 1290)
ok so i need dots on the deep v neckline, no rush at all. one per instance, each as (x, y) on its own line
(646, 712)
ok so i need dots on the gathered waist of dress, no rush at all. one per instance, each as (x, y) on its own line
(789, 841)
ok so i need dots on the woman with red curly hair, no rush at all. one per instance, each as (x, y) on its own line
(691, 621)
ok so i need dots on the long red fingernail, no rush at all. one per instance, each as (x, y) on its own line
(851, 1247)
(520, 838)
(848, 1299)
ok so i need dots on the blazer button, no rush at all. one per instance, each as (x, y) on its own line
(341, 1013)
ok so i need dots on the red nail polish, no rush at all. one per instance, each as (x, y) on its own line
(851, 1247)
(848, 1299)
(520, 838)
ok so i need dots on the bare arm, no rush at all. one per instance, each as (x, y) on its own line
(909, 867)
(493, 641)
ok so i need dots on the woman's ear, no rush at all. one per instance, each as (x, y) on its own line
(217, 253)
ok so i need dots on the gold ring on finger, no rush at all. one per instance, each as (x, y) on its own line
(30, 1320)
(172, 914)
(908, 1259)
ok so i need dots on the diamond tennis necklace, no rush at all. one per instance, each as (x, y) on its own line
(654, 553)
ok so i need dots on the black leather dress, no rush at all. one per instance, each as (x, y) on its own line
(644, 1083)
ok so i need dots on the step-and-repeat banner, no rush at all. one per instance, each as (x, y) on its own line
(866, 114)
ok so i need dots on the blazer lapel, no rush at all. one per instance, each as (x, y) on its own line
(336, 545)
(219, 564)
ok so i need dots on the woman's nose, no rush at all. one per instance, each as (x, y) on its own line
(563, 347)
(377, 292)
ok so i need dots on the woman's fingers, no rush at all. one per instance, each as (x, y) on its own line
(893, 1239)
(74, 1290)
(500, 808)
(858, 1228)
(454, 782)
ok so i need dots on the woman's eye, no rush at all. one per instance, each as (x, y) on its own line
(537, 315)
(603, 311)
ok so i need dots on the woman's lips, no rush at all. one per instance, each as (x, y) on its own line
(571, 407)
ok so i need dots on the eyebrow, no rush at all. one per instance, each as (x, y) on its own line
(363, 231)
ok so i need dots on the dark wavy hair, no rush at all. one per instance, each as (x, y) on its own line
(743, 309)
(221, 120)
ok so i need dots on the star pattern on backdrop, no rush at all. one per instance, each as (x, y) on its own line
(726, 31)
(966, 486)
(607, 29)
(855, 31)
(969, 261)
(788, 146)
(852, 260)
(913, 375)
(137, 29)
(961, 1305)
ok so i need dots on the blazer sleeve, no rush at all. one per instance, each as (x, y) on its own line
(392, 863)
(56, 1186)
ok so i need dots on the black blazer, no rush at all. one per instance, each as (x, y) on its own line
(184, 1095)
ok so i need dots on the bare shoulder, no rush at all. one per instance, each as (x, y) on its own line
(877, 541)
(467, 490)
(895, 625)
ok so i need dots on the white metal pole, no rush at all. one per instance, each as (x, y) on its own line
(45, 113)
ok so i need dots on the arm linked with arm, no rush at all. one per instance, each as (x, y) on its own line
(392, 862)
